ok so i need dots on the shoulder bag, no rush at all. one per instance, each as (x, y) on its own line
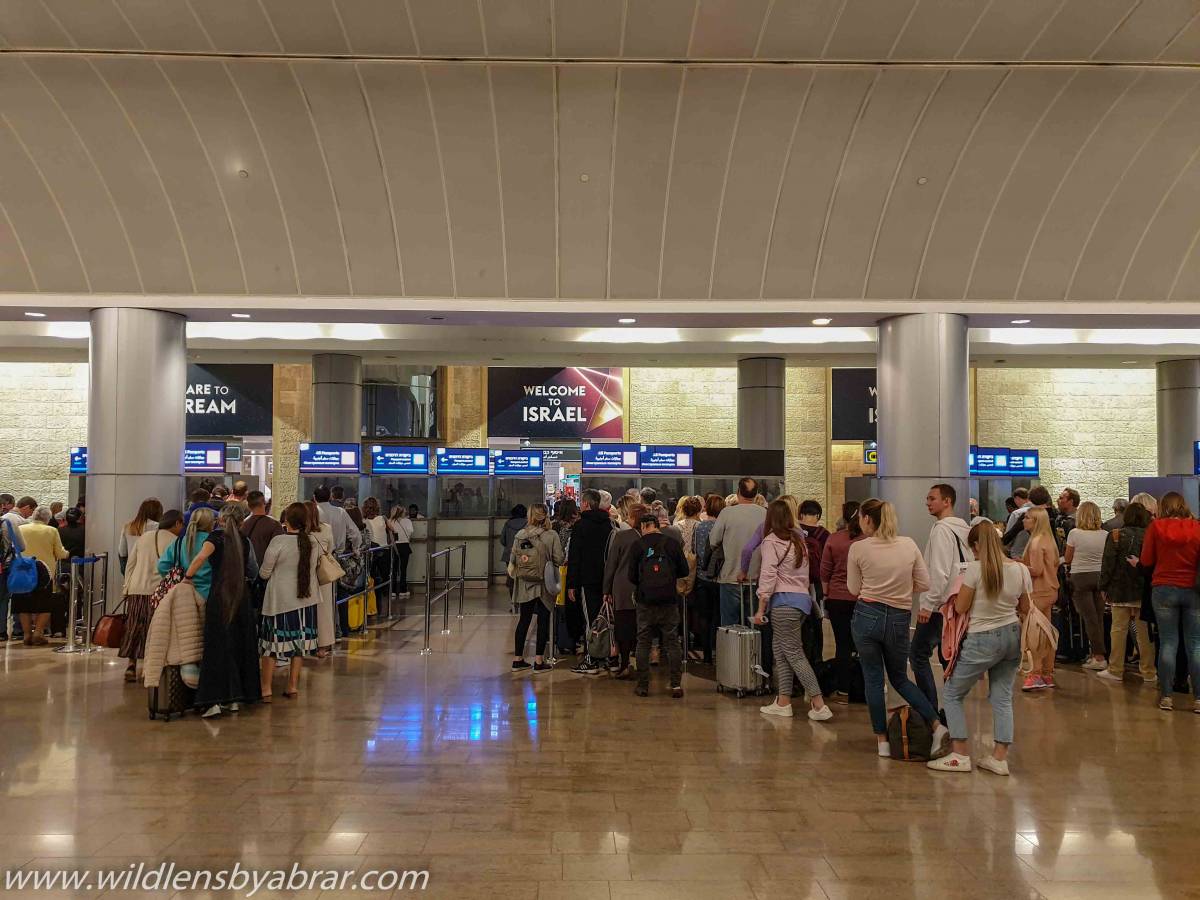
(173, 577)
(329, 569)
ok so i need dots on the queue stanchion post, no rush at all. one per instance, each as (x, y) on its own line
(462, 581)
(425, 649)
(72, 607)
(446, 599)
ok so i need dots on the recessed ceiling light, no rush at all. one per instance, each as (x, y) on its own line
(822, 321)
(240, 315)
(437, 318)
(626, 321)
(1021, 321)
(1129, 362)
(36, 315)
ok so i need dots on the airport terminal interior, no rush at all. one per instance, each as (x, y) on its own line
(518, 325)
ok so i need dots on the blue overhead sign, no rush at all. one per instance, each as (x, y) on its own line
(79, 460)
(992, 461)
(462, 461)
(656, 458)
(329, 459)
(399, 460)
(518, 462)
(1024, 463)
(1196, 458)
(618, 459)
(204, 456)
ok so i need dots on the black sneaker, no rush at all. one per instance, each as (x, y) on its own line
(641, 691)
(542, 667)
(521, 666)
(677, 693)
(587, 667)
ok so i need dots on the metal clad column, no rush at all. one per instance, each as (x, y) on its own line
(924, 434)
(1178, 402)
(136, 422)
(760, 403)
(336, 398)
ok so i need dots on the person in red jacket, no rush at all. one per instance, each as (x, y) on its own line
(1172, 549)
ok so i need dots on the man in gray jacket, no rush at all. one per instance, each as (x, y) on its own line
(946, 556)
(735, 526)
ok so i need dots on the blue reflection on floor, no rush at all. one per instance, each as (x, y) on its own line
(416, 724)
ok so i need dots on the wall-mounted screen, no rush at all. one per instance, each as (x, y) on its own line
(1024, 463)
(989, 461)
(399, 460)
(620, 459)
(204, 456)
(656, 458)
(79, 460)
(329, 459)
(518, 462)
(462, 461)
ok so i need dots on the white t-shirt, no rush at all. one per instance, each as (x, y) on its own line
(1089, 549)
(988, 612)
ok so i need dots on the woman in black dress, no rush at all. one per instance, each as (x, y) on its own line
(229, 668)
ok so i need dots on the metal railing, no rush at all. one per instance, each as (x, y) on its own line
(83, 590)
(364, 555)
(444, 595)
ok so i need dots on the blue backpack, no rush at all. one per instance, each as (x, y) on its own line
(22, 575)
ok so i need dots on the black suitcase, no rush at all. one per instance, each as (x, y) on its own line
(1072, 642)
(171, 697)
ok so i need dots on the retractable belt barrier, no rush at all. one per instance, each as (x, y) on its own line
(444, 595)
(84, 598)
(364, 555)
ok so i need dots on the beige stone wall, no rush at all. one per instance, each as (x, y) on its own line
(845, 461)
(463, 405)
(683, 406)
(807, 436)
(1094, 427)
(45, 414)
(291, 425)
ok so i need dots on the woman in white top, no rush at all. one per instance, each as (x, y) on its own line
(402, 531)
(1084, 556)
(288, 627)
(995, 593)
(147, 519)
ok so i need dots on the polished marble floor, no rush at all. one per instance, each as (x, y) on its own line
(568, 786)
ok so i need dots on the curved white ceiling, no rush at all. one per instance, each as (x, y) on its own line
(862, 30)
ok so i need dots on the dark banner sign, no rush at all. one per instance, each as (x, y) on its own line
(578, 403)
(228, 399)
(855, 413)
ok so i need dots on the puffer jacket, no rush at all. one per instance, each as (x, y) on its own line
(1122, 583)
(176, 634)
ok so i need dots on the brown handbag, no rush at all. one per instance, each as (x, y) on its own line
(110, 630)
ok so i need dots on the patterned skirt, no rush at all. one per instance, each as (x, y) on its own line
(137, 624)
(289, 634)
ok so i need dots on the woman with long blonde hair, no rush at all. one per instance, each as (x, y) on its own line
(537, 540)
(995, 594)
(883, 572)
(1084, 556)
(1041, 556)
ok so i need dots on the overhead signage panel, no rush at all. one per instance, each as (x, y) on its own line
(462, 461)
(1024, 463)
(661, 458)
(229, 399)
(518, 462)
(612, 459)
(550, 403)
(399, 460)
(204, 456)
(329, 459)
(79, 460)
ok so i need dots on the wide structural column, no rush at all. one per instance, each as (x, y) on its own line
(924, 433)
(336, 398)
(1178, 402)
(136, 422)
(760, 403)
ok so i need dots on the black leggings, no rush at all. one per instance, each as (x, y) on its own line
(840, 613)
(529, 609)
(403, 552)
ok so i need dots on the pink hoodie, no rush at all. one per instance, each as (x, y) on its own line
(779, 574)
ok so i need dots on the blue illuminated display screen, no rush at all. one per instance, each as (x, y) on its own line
(462, 461)
(204, 456)
(655, 458)
(989, 461)
(518, 462)
(399, 460)
(1024, 463)
(332, 459)
(620, 459)
(1196, 458)
(79, 460)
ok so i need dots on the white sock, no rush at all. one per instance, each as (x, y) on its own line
(885, 750)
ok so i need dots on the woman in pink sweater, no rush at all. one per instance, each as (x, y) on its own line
(783, 586)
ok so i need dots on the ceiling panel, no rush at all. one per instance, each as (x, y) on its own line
(93, 26)
(799, 29)
(1080, 27)
(659, 29)
(167, 25)
(1007, 29)
(869, 30)
(518, 28)
(376, 27)
(1149, 29)
(233, 26)
(937, 29)
(587, 28)
(306, 26)
(729, 29)
(447, 27)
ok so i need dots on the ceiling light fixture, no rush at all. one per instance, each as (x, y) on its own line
(822, 321)
(36, 315)
(1021, 321)
(626, 321)
(1129, 362)
(240, 315)
(437, 318)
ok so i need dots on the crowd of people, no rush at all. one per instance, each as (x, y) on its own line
(47, 536)
(618, 572)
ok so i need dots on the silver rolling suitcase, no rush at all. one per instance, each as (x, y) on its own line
(739, 655)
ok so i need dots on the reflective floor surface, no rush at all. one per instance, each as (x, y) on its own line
(569, 786)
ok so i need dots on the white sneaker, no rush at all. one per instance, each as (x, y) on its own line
(951, 762)
(1153, 680)
(941, 742)
(214, 710)
(774, 709)
(235, 707)
(1105, 675)
(885, 750)
(1095, 665)
(824, 714)
(993, 765)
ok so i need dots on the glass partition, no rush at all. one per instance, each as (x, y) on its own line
(462, 497)
(508, 492)
(399, 401)
(401, 491)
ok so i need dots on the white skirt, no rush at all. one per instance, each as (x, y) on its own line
(326, 633)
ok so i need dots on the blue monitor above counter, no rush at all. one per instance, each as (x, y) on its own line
(399, 460)
(509, 463)
(462, 461)
(204, 456)
(611, 459)
(1001, 461)
(78, 460)
(1024, 463)
(329, 459)
(660, 458)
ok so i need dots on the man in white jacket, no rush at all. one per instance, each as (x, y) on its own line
(946, 555)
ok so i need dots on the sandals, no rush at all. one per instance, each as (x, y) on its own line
(130, 676)
(265, 698)
(291, 695)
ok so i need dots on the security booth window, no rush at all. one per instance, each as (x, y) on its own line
(463, 497)
(509, 492)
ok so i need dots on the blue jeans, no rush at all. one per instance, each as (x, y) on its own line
(998, 653)
(1176, 609)
(925, 641)
(881, 636)
(734, 609)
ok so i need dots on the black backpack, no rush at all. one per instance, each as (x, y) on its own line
(656, 576)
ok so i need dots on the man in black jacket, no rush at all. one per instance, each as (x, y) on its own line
(585, 568)
(656, 561)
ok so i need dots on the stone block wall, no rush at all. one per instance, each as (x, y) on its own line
(1094, 427)
(807, 436)
(845, 461)
(291, 425)
(463, 405)
(683, 406)
(45, 414)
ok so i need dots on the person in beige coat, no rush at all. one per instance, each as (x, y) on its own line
(176, 635)
(322, 533)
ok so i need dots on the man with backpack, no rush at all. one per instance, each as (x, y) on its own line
(656, 561)
(585, 571)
